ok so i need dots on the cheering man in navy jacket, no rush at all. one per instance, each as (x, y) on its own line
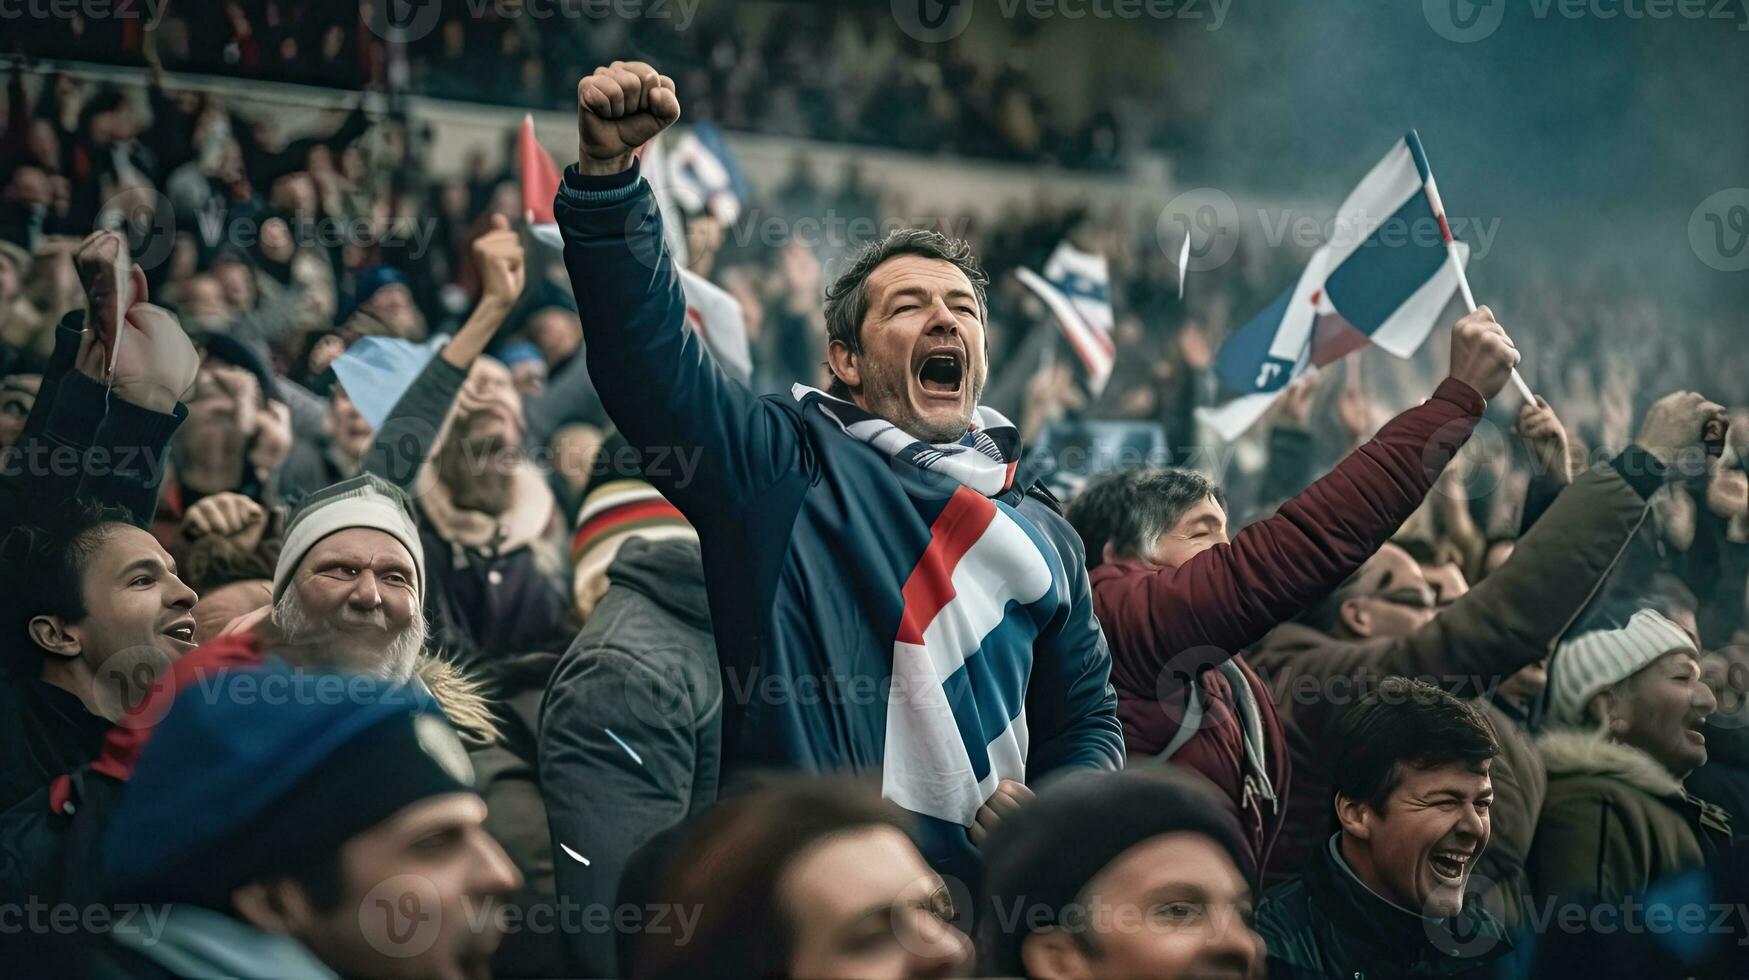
(888, 593)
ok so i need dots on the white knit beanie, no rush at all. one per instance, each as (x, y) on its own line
(363, 501)
(1594, 661)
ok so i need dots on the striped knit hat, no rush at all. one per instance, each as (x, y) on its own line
(1592, 662)
(617, 506)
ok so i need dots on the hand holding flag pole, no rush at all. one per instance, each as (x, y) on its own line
(1451, 248)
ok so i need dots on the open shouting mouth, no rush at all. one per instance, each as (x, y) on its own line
(941, 372)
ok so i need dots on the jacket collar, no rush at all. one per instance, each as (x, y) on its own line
(1375, 930)
(191, 941)
(1578, 752)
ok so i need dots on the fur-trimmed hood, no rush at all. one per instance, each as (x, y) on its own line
(1584, 752)
(461, 697)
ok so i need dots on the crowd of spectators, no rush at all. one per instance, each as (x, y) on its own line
(563, 648)
(830, 72)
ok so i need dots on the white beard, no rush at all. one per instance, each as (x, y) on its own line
(314, 644)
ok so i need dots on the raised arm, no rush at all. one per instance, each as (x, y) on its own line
(1516, 615)
(655, 379)
(409, 435)
(1228, 597)
(101, 425)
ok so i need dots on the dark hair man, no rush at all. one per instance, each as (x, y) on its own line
(1385, 896)
(93, 609)
(801, 877)
(903, 600)
(1178, 601)
(297, 833)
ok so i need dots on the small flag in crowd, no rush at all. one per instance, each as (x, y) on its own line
(377, 371)
(540, 184)
(1384, 278)
(1076, 287)
(704, 177)
(653, 163)
(710, 311)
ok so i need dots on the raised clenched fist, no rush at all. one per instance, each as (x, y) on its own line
(1676, 424)
(620, 108)
(1482, 355)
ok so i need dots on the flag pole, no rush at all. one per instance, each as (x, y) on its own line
(1470, 304)
(1414, 140)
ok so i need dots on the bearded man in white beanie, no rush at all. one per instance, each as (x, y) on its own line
(1625, 710)
(351, 579)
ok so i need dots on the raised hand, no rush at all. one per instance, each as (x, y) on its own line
(620, 108)
(226, 515)
(498, 253)
(1675, 423)
(1354, 414)
(156, 364)
(1542, 430)
(1482, 355)
(112, 284)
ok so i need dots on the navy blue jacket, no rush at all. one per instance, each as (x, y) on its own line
(826, 559)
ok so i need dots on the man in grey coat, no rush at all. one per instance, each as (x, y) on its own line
(630, 731)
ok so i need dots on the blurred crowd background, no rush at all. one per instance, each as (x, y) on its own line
(288, 208)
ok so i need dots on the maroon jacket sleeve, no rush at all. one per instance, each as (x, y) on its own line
(1165, 625)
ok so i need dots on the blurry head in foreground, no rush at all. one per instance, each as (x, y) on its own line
(804, 877)
(343, 825)
(1131, 874)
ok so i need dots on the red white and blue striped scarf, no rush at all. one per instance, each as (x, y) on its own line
(984, 459)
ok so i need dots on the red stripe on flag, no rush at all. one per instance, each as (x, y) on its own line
(1444, 229)
(929, 587)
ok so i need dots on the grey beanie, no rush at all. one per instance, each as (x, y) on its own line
(363, 501)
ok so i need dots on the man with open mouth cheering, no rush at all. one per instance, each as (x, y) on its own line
(889, 594)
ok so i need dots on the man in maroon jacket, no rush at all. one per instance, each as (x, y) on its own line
(1178, 602)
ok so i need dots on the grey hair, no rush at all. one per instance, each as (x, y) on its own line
(1130, 508)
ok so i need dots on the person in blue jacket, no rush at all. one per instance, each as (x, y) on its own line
(890, 592)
